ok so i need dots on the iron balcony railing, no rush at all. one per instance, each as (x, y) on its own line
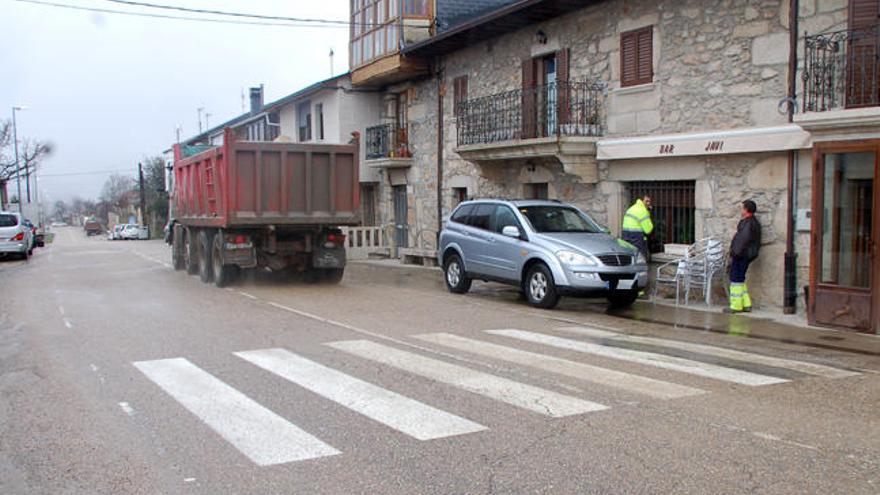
(387, 141)
(562, 108)
(841, 69)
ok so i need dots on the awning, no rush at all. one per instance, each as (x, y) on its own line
(753, 140)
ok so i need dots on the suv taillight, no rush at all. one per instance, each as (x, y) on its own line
(18, 237)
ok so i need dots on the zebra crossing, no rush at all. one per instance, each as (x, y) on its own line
(267, 438)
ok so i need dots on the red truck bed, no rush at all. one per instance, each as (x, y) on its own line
(245, 183)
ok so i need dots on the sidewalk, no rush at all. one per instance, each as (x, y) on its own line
(760, 324)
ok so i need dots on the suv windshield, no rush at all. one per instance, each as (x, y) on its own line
(548, 219)
(8, 221)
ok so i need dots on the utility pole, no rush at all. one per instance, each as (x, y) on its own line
(143, 195)
(331, 62)
(17, 164)
(200, 110)
(207, 125)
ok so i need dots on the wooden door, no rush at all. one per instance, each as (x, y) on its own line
(844, 267)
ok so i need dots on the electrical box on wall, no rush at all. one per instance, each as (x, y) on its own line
(804, 220)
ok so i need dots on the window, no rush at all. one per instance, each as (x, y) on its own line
(504, 217)
(374, 30)
(552, 219)
(462, 215)
(460, 92)
(481, 218)
(459, 195)
(304, 121)
(535, 191)
(418, 8)
(672, 211)
(319, 115)
(7, 220)
(637, 57)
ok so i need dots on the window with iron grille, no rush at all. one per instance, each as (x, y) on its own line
(672, 212)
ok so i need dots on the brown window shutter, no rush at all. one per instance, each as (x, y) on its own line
(863, 13)
(529, 99)
(563, 89)
(862, 78)
(637, 56)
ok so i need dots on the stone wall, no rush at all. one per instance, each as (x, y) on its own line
(719, 64)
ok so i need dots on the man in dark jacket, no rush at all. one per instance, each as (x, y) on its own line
(743, 250)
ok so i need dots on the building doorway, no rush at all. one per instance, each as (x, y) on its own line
(401, 212)
(843, 267)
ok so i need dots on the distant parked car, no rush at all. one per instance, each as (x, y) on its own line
(546, 248)
(116, 233)
(59, 224)
(34, 234)
(131, 232)
(16, 238)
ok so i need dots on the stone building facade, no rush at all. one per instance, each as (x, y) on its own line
(712, 116)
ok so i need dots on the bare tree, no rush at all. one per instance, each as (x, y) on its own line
(116, 193)
(30, 153)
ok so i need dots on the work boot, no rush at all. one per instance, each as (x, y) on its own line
(747, 309)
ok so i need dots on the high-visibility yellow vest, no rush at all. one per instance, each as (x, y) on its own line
(638, 219)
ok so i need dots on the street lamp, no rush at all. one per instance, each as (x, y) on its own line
(17, 165)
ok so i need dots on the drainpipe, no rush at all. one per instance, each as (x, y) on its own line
(790, 293)
(440, 91)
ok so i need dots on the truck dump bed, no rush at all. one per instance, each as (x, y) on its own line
(249, 183)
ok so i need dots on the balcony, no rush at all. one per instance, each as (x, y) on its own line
(560, 122)
(387, 147)
(840, 74)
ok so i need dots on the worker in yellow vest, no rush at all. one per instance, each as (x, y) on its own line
(637, 224)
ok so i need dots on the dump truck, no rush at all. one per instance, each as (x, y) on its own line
(271, 206)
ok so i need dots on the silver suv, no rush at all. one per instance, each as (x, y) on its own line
(547, 248)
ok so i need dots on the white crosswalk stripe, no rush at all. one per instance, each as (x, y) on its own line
(391, 409)
(254, 430)
(511, 392)
(647, 358)
(748, 357)
(603, 376)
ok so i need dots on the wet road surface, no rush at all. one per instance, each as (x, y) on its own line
(120, 375)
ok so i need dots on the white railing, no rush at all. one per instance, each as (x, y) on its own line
(361, 241)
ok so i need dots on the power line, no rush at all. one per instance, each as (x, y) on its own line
(165, 16)
(233, 14)
(91, 172)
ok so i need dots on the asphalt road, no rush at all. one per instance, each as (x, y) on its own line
(120, 375)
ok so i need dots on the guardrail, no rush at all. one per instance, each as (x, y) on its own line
(841, 69)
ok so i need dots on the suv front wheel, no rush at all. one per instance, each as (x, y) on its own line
(456, 280)
(539, 287)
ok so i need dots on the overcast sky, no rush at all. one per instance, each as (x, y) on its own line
(107, 90)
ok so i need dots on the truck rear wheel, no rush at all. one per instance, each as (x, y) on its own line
(178, 260)
(332, 275)
(190, 252)
(223, 274)
(206, 249)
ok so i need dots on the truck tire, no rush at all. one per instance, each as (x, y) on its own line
(332, 275)
(223, 274)
(191, 252)
(206, 250)
(178, 260)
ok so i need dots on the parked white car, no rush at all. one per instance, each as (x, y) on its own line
(116, 233)
(15, 235)
(131, 232)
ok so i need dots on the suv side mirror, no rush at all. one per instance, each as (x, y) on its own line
(510, 231)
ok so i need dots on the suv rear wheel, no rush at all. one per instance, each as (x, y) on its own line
(456, 280)
(539, 287)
